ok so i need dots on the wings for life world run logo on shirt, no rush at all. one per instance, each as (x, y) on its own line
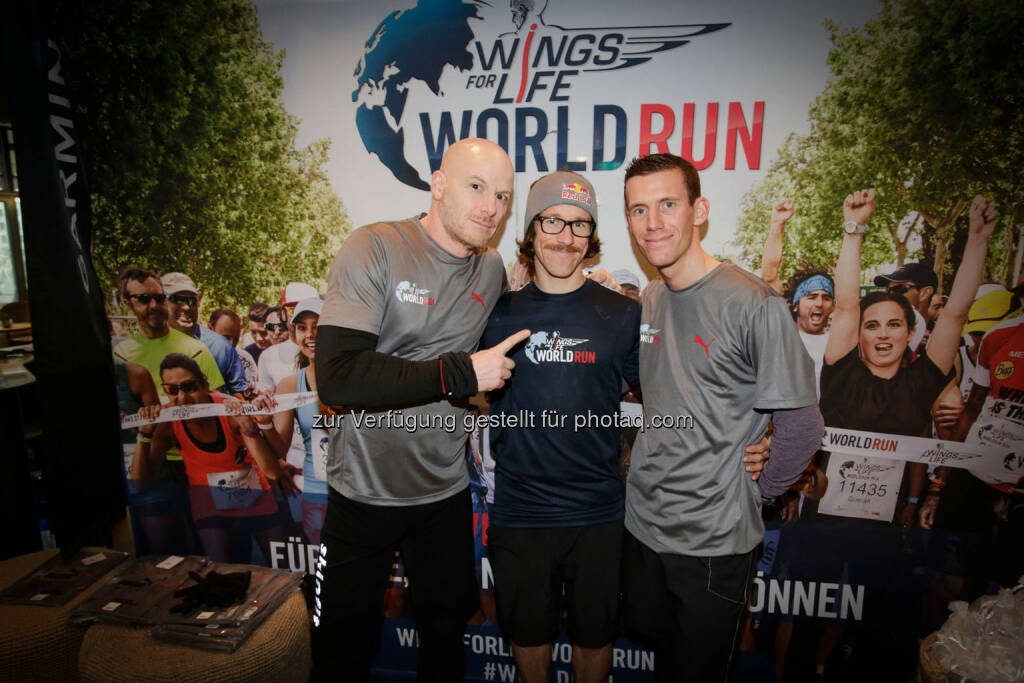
(507, 56)
(552, 347)
(649, 335)
(408, 293)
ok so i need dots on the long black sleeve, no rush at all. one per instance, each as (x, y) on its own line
(350, 372)
(796, 438)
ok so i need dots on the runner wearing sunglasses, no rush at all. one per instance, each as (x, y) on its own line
(183, 315)
(227, 462)
(141, 289)
(276, 325)
(278, 361)
(163, 508)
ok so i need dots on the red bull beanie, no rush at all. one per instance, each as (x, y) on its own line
(561, 187)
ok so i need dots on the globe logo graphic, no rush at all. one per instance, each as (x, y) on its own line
(418, 44)
(414, 44)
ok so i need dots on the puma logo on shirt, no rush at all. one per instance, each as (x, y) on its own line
(706, 347)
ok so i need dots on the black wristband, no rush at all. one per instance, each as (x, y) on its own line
(457, 375)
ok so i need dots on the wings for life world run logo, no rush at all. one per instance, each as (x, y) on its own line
(527, 62)
(409, 293)
(649, 335)
(552, 347)
(852, 469)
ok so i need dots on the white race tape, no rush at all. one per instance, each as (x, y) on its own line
(990, 464)
(190, 412)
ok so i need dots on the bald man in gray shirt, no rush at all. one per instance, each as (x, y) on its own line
(719, 357)
(405, 306)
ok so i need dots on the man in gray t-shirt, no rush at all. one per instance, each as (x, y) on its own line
(392, 280)
(405, 305)
(719, 357)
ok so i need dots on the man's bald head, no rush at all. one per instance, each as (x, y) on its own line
(474, 151)
(471, 195)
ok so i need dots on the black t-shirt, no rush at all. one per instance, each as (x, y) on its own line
(582, 345)
(853, 398)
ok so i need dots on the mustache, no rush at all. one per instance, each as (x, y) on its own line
(568, 248)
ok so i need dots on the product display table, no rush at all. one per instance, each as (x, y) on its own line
(36, 642)
(278, 651)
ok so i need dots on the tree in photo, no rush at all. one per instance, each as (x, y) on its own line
(924, 105)
(192, 157)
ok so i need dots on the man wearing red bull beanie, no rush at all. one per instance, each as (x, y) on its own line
(558, 494)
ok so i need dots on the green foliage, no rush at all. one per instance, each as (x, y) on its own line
(813, 235)
(924, 104)
(192, 157)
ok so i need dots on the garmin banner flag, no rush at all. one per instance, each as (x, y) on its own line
(66, 299)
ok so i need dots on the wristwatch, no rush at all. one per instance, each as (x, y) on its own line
(852, 228)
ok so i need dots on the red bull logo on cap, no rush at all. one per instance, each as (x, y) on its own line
(576, 193)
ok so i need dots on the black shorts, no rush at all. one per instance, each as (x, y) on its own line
(535, 570)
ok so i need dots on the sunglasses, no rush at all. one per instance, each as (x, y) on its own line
(276, 327)
(188, 386)
(184, 299)
(901, 289)
(146, 298)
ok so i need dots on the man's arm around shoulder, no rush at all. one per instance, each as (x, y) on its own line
(797, 436)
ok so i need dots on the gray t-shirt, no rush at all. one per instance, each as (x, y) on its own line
(725, 352)
(393, 280)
